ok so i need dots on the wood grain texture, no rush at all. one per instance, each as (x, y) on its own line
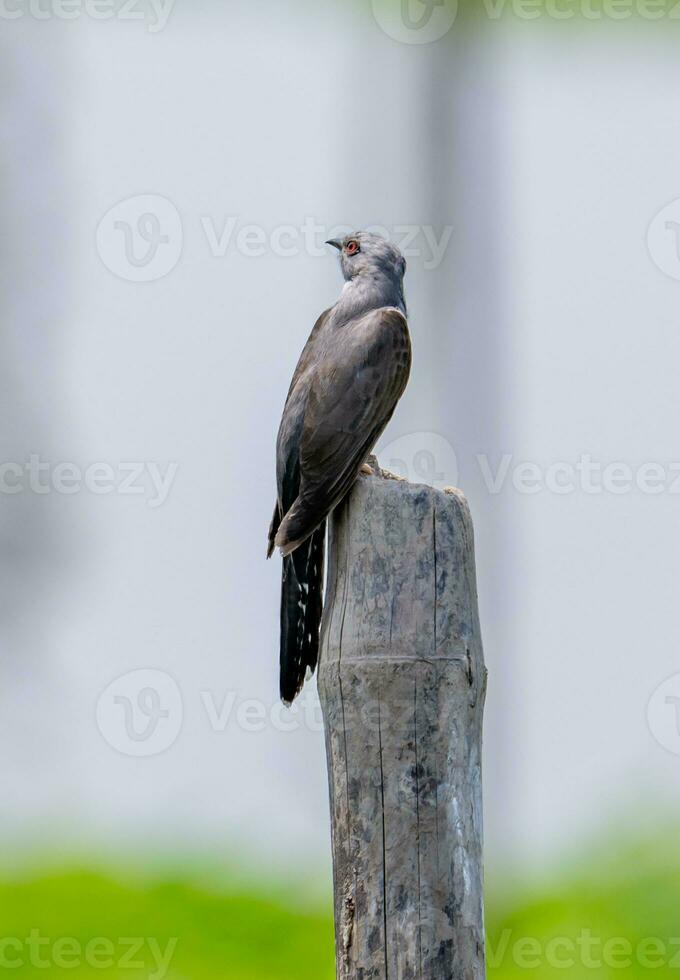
(402, 684)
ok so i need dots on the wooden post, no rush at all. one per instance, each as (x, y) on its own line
(402, 684)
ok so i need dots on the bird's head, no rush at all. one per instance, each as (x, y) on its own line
(365, 254)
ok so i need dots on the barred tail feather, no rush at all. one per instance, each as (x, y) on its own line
(301, 608)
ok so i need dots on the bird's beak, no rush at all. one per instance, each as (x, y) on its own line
(336, 243)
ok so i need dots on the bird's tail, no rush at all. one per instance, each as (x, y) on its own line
(300, 521)
(301, 607)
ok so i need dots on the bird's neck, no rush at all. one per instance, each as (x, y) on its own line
(365, 293)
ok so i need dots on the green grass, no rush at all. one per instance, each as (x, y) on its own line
(83, 923)
(211, 933)
(617, 915)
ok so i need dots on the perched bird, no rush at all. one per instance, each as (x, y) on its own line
(350, 376)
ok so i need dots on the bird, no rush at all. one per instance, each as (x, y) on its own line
(351, 373)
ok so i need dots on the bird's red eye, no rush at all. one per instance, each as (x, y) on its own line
(352, 247)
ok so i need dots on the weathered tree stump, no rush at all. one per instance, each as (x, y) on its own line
(402, 684)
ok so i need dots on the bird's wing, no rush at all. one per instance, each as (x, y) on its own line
(288, 471)
(353, 394)
(307, 354)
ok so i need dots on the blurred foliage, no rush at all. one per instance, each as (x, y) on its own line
(616, 916)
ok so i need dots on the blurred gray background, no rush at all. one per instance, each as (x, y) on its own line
(539, 154)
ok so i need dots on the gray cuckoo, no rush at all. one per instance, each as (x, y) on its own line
(350, 376)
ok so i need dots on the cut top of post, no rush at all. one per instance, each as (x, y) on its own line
(402, 579)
